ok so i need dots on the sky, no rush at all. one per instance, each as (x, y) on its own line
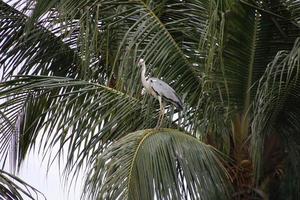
(34, 172)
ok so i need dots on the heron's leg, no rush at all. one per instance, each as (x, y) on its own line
(157, 124)
(159, 116)
(160, 112)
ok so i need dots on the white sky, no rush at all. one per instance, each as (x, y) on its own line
(34, 172)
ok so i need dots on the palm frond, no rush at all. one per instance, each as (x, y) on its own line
(157, 164)
(248, 36)
(140, 33)
(146, 33)
(13, 188)
(69, 112)
(9, 142)
(293, 7)
(256, 47)
(276, 113)
(37, 51)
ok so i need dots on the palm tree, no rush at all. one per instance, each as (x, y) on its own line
(70, 80)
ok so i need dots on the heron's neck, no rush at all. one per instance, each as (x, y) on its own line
(143, 77)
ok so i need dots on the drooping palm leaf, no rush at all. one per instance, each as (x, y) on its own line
(13, 188)
(36, 52)
(145, 34)
(157, 164)
(70, 112)
(248, 36)
(276, 113)
(8, 142)
(293, 7)
(212, 52)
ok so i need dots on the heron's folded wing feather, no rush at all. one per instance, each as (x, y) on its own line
(165, 91)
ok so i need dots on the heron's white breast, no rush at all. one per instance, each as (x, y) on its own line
(151, 91)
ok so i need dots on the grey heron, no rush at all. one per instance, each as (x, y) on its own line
(161, 91)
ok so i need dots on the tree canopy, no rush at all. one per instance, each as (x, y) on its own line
(69, 79)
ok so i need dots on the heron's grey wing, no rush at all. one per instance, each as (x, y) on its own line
(165, 91)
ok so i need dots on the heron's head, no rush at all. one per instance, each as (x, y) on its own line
(141, 62)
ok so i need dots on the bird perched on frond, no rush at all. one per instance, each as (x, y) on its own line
(161, 91)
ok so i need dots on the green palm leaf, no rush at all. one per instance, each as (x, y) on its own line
(145, 35)
(37, 51)
(13, 188)
(215, 54)
(75, 113)
(163, 164)
(276, 112)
